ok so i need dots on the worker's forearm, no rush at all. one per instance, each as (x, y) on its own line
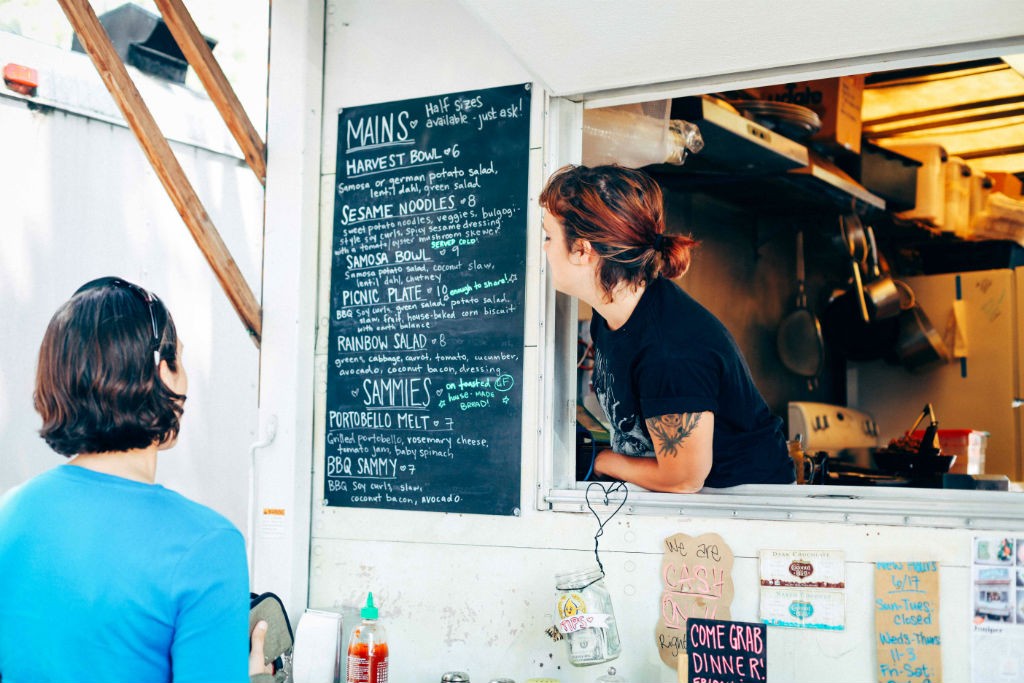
(647, 472)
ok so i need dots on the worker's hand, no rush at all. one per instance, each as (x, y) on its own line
(257, 660)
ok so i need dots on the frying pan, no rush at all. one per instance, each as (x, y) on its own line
(799, 341)
(903, 462)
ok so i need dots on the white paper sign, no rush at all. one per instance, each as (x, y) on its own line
(802, 568)
(804, 608)
(581, 621)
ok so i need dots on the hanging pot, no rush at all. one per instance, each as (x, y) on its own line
(847, 332)
(854, 237)
(848, 325)
(919, 346)
(880, 293)
(852, 232)
(799, 339)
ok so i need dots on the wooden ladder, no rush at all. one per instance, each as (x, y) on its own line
(112, 70)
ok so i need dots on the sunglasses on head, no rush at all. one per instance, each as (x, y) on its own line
(148, 298)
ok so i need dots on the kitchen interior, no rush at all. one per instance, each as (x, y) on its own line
(862, 238)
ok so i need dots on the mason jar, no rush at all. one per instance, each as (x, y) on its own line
(586, 618)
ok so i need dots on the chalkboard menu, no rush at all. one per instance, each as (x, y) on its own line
(425, 367)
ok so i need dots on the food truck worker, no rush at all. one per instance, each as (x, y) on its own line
(683, 408)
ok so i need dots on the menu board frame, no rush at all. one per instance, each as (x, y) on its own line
(427, 298)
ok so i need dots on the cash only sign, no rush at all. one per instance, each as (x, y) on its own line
(696, 574)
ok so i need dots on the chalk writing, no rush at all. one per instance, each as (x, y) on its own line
(424, 386)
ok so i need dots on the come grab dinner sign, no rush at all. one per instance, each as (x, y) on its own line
(694, 635)
(726, 651)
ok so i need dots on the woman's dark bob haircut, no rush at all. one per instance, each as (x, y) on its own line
(98, 386)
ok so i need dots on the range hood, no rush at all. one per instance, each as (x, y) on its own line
(751, 165)
(736, 143)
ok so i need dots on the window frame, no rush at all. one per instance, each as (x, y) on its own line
(557, 490)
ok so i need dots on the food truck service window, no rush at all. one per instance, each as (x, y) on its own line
(858, 230)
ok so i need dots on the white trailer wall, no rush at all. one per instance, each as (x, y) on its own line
(79, 201)
(473, 592)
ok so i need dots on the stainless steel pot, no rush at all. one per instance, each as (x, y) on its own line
(919, 346)
(854, 236)
(880, 293)
(848, 334)
(855, 239)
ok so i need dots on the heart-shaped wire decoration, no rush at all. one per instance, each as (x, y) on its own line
(607, 491)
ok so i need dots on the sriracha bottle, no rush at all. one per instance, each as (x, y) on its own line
(367, 649)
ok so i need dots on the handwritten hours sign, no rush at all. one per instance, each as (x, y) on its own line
(424, 384)
(907, 622)
(696, 577)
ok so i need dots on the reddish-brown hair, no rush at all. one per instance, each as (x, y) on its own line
(98, 388)
(621, 212)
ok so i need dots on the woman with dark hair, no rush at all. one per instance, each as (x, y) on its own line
(683, 408)
(105, 575)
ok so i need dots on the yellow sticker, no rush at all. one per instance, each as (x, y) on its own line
(571, 604)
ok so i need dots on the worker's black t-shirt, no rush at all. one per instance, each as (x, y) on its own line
(673, 356)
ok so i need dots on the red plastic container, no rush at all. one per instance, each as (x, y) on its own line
(967, 444)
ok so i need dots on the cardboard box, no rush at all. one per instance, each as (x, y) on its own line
(1007, 183)
(836, 100)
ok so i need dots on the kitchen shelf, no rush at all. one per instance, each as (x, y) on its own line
(751, 166)
(813, 189)
(917, 252)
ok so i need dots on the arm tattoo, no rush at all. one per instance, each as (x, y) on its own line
(672, 430)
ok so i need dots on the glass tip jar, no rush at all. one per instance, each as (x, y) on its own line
(586, 618)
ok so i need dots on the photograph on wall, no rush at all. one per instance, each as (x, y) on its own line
(1020, 563)
(994, 579)
(993, 594)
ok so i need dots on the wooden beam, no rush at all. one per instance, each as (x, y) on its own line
(199, 55)
(943, 123)
(114, 74)
(924, 74)
(965, 106)
(994, 152)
